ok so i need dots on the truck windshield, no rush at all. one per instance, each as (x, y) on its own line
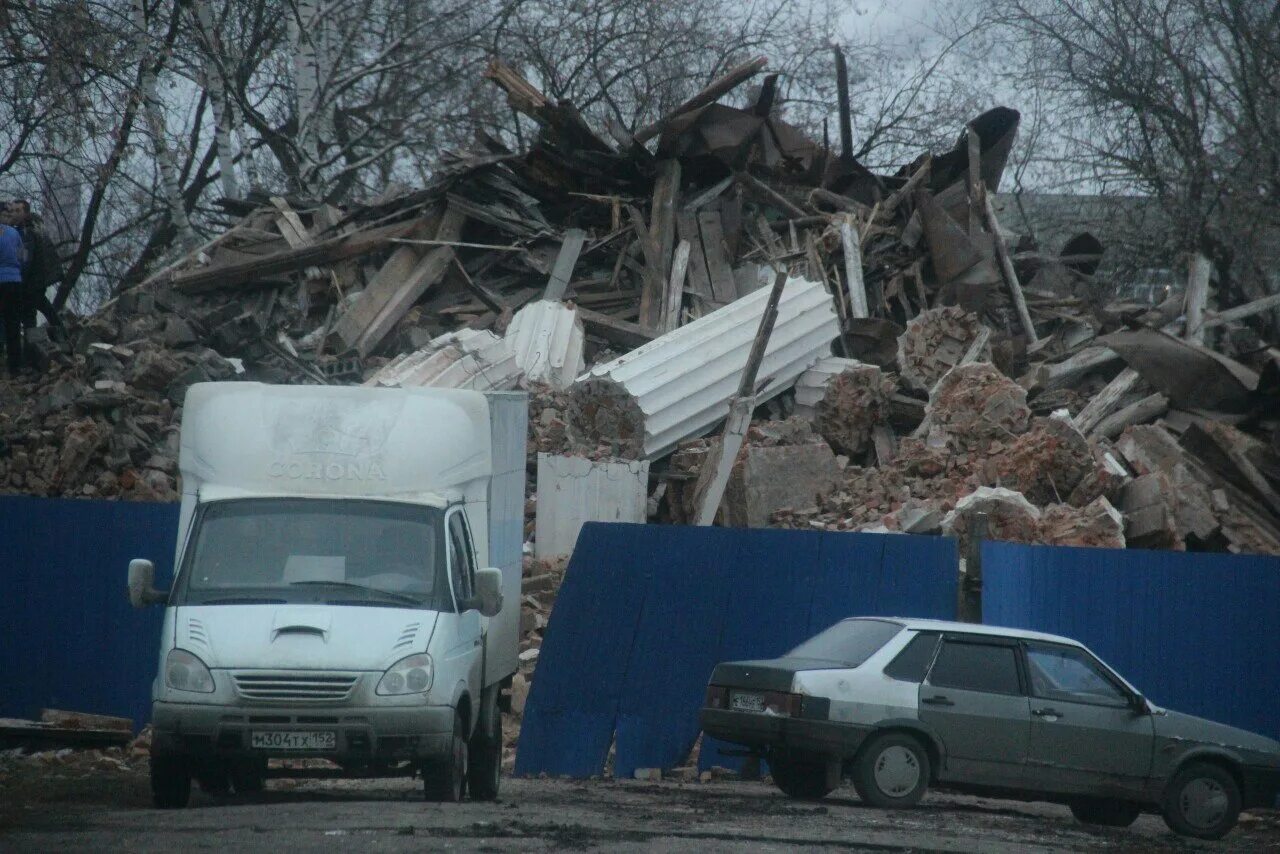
(282, 550)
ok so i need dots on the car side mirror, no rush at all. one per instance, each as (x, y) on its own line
(1139, 705)
(142, 579)
(488, 598)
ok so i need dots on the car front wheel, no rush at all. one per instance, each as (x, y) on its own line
(892, 771)
(445, 778)
(800, 776)
(1203, 801)
(1106, 813)
(170, 781)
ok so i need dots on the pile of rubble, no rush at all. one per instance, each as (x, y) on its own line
(622, 278)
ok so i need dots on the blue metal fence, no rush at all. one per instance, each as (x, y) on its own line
(68, 637)
(646, 611)
(1194, 632)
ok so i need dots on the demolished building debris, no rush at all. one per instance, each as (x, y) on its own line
(621, 279)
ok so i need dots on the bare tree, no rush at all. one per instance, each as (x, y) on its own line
(1176, 99)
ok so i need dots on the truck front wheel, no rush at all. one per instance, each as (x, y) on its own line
(486, 753)
(170, 781)
(445, 779)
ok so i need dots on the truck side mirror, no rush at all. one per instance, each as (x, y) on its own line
(142, 578)
(489, 591)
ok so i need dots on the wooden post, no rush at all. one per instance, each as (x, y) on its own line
(714, 475)
(846, 114)
(853, 268)
(971, 584)
(1006, 267)
(567, 258)
(976, 193)
(1197, 296)
(673, 299)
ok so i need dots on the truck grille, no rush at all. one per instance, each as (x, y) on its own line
(294, 687)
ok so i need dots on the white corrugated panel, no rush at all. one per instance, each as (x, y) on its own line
(574, 490)
(469, 359)
(683, 380)
(546, 338)
(812, 385)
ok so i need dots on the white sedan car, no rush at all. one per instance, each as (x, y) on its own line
(899, 705)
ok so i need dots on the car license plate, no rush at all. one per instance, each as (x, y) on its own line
(294, 740)
(747, 702)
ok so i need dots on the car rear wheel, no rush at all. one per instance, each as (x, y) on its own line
(1202, 801)
(892, 771)
(800, 776)
(1104, 812)
(445, 779)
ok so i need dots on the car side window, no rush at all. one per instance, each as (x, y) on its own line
(967, 666)
(913, 662)
(1068, 674)
(462, 568)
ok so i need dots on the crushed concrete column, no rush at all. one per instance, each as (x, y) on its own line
(1051, 462)
(546, 339)
(575, 490)
(768, 479)
(1097, 524)
(1010, 517)
(467, 359)
(679, 385)
(846, 400)
(937, 340)
(973, 406)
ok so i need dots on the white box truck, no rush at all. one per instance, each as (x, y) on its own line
(346, 586)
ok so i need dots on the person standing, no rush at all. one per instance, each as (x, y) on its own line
(43, 266)
(11, 301)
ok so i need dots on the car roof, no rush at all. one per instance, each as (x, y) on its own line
(921, 625)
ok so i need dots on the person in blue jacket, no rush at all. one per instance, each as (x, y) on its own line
(11, 301)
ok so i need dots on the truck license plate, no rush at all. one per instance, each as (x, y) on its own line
(747, 702)
(294, 740)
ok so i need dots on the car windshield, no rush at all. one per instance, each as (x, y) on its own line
(848, 642)
(285, 550)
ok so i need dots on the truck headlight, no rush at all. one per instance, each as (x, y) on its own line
(184, 672)
(411, 675)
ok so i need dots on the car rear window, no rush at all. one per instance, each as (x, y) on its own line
(976, 667)
(912, 663)
(848, 642)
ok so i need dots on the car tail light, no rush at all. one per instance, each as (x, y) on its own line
(782, 703)
(717, 697)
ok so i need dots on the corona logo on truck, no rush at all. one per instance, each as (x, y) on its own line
(328, 443)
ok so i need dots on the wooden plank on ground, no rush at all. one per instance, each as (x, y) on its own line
(723, 288)
(613, 330)
(673, 299)
(393, 292)
(326, 252)
(566, 260)
(699, 283)
(653, 283)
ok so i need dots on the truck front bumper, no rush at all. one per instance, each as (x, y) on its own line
(362, 734)
(761, 731)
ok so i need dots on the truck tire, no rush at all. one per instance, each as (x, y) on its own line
(1105, 812)
(1202, 801)
(170, 782)
(485, 753)
(892, 771)
(800, 776)
(445, 779)
(248, 776)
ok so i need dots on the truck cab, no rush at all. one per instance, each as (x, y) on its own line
(346, 587)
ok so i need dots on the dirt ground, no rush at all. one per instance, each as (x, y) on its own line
(103, 803)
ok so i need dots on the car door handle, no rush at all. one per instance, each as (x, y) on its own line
(937, 701)
(1046, 713)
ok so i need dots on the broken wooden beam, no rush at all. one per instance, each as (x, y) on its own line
(399, 283)
(1106, 401)
(614, 331)
(720, 86)
(1006, 268)
(1197, 296)
(262, 268)
(566, 260)
(853, 269)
